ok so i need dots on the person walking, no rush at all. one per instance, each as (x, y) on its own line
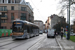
(66, 32)
(62, 33)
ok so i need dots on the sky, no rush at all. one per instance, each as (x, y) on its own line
(44, 8)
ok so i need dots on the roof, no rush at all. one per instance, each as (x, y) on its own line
(38, 21)
(24, 21)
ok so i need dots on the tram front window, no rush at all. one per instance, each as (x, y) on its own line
(17, 28)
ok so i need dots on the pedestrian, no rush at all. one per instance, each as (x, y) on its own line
(55, 32)
(62, 33)
(66, 32)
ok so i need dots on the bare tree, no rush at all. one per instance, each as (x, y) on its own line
(63, 6)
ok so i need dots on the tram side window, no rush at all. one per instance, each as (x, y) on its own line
(32, 29)
(25, 27)
(28, 29)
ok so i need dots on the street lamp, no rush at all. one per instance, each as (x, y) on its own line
(68, 35)
(69, 23)
(0, 19)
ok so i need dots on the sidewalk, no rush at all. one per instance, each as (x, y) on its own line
(66, 44)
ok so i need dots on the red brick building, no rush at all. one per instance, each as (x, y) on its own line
(15, 9)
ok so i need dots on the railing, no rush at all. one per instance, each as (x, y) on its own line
(3, 9)
(23, 18)
(3, 15)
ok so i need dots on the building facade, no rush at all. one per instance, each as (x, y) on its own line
(15, 9)
(44, 28)
(39, 23)
(54, 19)
(47, 23)
(73, 27)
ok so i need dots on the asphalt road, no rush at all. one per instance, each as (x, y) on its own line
(40, 42)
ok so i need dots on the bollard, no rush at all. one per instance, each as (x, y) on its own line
(2, 34)
(11, 34)
(6, 34)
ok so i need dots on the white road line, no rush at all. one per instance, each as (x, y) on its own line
(36, 43)
(59, 44)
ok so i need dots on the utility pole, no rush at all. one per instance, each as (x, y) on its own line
(0, 20)
(68, 35)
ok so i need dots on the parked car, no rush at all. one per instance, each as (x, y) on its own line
(51, 33)
(40, 32)
(72, 34)
(45, 31)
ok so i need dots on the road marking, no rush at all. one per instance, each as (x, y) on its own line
(36, 43)
(59, 44)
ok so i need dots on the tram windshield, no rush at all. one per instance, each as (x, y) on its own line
(17, 27)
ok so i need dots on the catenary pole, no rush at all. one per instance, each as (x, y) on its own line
(69, 23)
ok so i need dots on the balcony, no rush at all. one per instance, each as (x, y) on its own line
(3, 10)
(4, 17)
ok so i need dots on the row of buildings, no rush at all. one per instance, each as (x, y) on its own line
(53, 20)
(16, 9)
(19, 9)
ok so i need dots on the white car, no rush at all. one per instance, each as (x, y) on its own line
(45, 31)
(51, 33)
(41, 32)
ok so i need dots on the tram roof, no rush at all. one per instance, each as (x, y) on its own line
(24, 21)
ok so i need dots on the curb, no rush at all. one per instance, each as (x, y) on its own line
(59, 44)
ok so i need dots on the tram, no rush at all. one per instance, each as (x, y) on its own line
(24, 29)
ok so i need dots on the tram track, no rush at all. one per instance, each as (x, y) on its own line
(61, 48)
(9, 42)
(17, 46)
(40, 43)
(4, 44)
(26, 42)
(5, 40)
(11, 45)
(37, 42)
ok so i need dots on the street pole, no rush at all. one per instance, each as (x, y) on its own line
(69, 23)
(0, 21)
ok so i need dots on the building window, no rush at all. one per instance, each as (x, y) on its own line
(23, 8)
(17, 1)
(9, 1)
(12, 1)
(23, 16)
(3, 1)
(5, 8)
(0, 1)
(12, 7)
(3, 21)
(12, 16)
(1, 8)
